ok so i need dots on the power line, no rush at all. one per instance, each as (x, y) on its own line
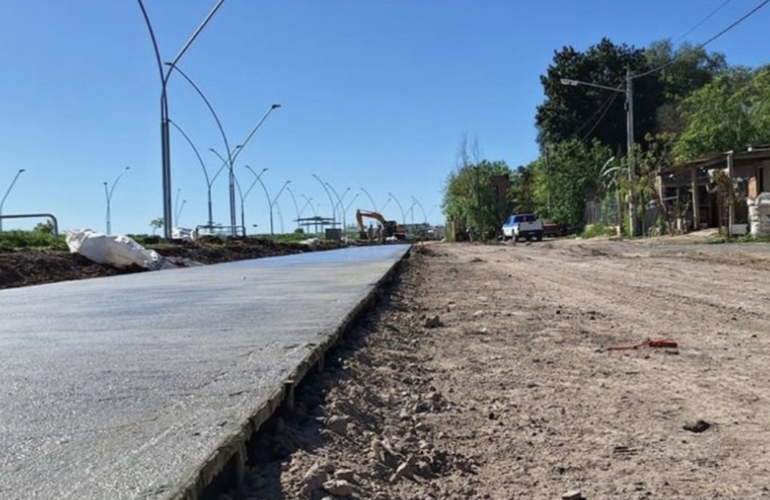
(700, 46)
(702, 21)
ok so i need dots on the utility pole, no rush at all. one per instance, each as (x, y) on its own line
(631, 152)
(628, 91)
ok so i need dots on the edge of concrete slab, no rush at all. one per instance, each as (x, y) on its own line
(232, 451)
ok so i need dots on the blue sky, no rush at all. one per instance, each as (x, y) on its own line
(375, 94)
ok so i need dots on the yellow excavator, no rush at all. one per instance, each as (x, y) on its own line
(388, 228)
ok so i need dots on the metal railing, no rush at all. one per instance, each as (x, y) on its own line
(36, 216)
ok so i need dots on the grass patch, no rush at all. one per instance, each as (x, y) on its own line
(10, 240)
(597, 230)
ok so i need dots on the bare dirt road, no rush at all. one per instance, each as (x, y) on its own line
(512, 391)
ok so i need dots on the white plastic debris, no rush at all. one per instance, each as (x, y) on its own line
(119, 251)
(182, 233)
(311, 242)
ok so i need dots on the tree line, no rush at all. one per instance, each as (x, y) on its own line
(694, 105)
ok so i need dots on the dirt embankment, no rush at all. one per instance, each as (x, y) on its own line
(33, 267)
(488, 374)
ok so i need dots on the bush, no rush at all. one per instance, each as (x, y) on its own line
(30, 239)
(598, 229)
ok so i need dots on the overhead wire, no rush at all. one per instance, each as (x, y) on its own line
(702, 21)
(703, 44)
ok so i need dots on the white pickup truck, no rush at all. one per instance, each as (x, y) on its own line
(523, 226)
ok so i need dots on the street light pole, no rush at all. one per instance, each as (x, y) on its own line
(331, 200)
(209, 181)
(628, 91)
(294, 200)
(403, 215)
(108, 195)
(308, 202)
(165, 137)
(374, 205)
(231, 155)
(339, 198)
(424, 215)
(2, 202)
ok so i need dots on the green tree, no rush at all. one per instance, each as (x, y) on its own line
(731, 112)
(522, 191)
(685, 70)
(470, 198)
(156, 224)
(568, 179)
(584, 112)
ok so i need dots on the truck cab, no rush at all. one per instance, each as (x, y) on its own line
(519, 226)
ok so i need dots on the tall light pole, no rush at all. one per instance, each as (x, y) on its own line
(165, 138)
(243, 196)
(331, 200)
(108, 195)
(403, 215)
(339, 199)
(231, 155)
(629, 93)
(2, 202)
(374, 205)
(347, 208)
(294, 200)
(270, 202)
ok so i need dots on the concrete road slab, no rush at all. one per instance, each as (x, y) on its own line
(123, 387)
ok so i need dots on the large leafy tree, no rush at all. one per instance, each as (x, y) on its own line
(567, 178)
(731, 112)
(588, 113)
(522, 190)
(685, 70)
(470, 198)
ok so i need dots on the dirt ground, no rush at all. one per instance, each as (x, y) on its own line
(487, 373)
(25, 267)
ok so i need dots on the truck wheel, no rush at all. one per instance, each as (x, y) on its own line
(539, 237)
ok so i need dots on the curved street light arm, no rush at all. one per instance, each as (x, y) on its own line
(115, 182)
(285, 184)
(382, 209)
(403, 215)
(308, 202)
(331, 200)
(197, 32)
(339, 200)
(163, 77)
(195, 150)
(347, 209)
(254, 130)
(424, 215)
(208, 105)
(264, 188)
(294, 200)
(374, 205)
(224, 164)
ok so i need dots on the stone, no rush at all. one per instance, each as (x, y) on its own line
(697, 427)
(338, 425)
(344, 474)
(338, 488)
(572, 495)
(433, 322)
(314, 478)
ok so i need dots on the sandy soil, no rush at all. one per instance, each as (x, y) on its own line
(513, 392)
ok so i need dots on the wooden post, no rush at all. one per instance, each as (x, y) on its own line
(695, 199)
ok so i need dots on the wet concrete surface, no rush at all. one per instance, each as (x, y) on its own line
(120, 387)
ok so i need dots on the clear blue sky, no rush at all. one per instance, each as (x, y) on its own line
(375, 93)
